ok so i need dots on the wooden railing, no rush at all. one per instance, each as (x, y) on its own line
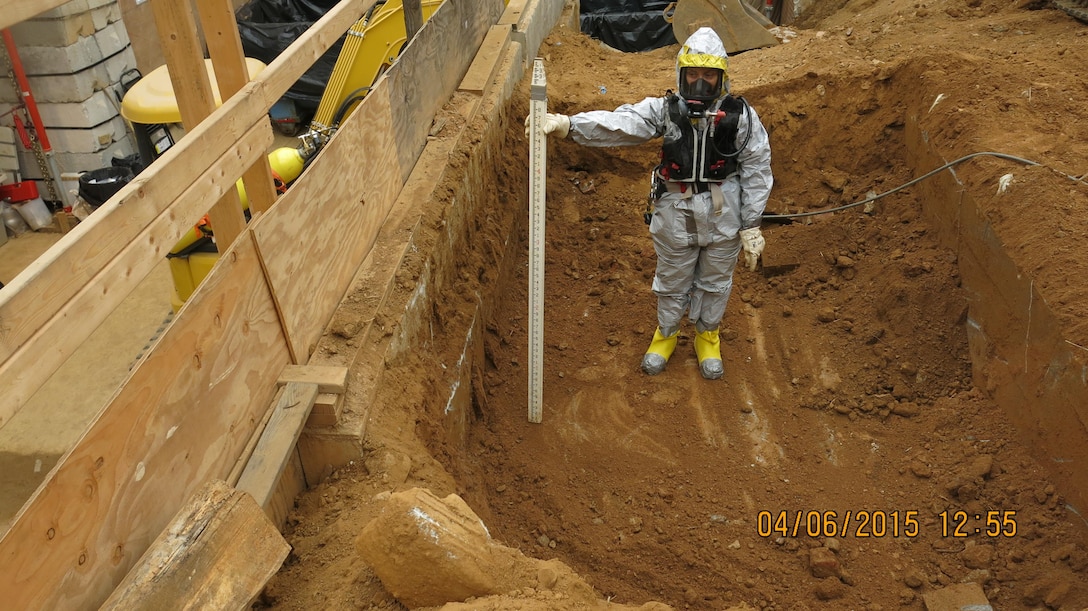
(186, 412)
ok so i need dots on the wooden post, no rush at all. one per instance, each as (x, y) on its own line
(413, 18)
(229, 62)
(193, 91)
(218, 553)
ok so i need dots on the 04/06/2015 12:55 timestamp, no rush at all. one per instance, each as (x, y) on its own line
(879, 523)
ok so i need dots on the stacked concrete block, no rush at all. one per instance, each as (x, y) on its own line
(75, 57)
(9, 162)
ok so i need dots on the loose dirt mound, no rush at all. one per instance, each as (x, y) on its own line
(848, 385)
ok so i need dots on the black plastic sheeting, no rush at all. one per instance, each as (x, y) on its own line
(268, 27)
(627, 25)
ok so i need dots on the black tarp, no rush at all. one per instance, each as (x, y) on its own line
(627, 25)
(267, 27)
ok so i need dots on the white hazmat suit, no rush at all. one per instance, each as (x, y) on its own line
(709, 204)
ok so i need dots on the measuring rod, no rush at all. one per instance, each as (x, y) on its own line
(538, 171)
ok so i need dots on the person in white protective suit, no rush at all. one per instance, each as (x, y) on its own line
(708, 193)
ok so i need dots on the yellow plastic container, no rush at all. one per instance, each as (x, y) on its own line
(151, 100)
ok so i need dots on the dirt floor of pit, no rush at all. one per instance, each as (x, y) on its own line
(848, 384)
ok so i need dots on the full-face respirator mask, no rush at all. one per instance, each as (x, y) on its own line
(700, 92)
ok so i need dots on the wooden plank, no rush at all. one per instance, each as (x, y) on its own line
(53, 343)
(310, 265)
(218, 552)
(231, 74)
(413, 17)
(196, 101)
(21, 10)
(327, 410)
(274, 449)
(349, 200)
(40, 291)
(429, 70)
(328, 379)
(291, 484)
(243, 458)
(179, 421)
(482, 70)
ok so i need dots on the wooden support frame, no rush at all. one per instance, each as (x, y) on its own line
(33, 303)
(193, 91)
(277, 442)
(190, 408)
(231, 74)
(21, 10)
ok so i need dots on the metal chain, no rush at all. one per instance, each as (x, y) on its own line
(35, 144)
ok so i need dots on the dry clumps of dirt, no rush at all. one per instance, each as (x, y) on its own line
(849, 386)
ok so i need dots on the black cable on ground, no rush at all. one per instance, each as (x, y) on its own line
(773, 217)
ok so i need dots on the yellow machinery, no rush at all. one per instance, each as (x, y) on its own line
(740, 26)
(372, 44)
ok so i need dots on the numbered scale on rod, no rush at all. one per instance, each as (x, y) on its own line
(538, 153)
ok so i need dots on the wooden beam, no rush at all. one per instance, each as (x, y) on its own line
(429, 70)
(482, 70)
(53, 343)
(413, 18)
(278, 441)
(326, 411)
(231, 75)
(180, 420)
(348, 201)
(196, 101)
(21, 10)
(218, 553)
(329, 379)
(35, 298)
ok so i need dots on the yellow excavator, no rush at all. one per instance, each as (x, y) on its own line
(372, 44)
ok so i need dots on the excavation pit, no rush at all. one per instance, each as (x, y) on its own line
(901, 409)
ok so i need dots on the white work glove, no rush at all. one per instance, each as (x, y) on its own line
(553, 124)
(752, 242)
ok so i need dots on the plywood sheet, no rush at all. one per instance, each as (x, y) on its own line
(53, 340)
(180, 421)
(344, 197)
(429, 70)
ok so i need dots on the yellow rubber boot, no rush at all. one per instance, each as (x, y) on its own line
(709, 350)
(657, 355)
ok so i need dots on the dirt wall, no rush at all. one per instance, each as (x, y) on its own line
(1019, 351)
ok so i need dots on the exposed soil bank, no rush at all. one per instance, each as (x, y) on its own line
(869, 378)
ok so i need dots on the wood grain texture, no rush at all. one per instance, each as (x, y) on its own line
(195, 99)
(345, 196)
(231, 74)
(21, 10)
(55, 339)
(181, 420)
(311, 265)
(429, 70)
(277, 443)
(218, 552)
(329, 379)
(482, 70)
(75, 263)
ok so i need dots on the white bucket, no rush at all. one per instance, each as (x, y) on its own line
(35, 213)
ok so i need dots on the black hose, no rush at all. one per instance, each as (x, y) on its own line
(353, 97)
(912, 182)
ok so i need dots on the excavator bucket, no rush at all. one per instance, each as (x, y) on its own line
(740, 26)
